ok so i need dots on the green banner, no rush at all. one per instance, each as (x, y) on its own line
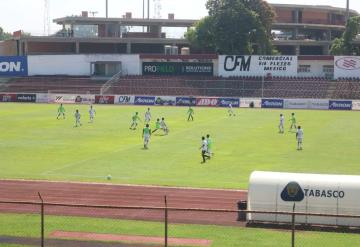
(173, 68)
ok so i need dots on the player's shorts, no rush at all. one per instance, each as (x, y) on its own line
(300, 140)
(146, 138)
(147, 119)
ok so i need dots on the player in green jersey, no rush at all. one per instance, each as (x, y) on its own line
(146, 135)
(134, 118)
(293, 121)
(190, 113)
(61, 111)
(157, 125)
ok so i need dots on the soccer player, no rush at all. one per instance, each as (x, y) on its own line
(147, 116)
(135, 118)
(231, 111)
(190, 113)
(209, 145)
(281, 124)
(77, 118)
(146, 135)
(61, 111)
(299, 137)
(157, 125)
(204, 150)
(164, 126)
(92, 113)
(293, 122)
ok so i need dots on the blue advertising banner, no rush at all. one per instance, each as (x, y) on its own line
(185, 101)
(144, 100)
(13, 66)
(26, 98)
(340, 105)
(272, 103)
(225, 102)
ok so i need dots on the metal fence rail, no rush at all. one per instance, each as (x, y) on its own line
(178, 224)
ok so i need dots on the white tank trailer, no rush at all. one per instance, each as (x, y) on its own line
(311, 193)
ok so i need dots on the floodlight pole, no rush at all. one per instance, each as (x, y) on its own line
(347, 10)
(107, 9)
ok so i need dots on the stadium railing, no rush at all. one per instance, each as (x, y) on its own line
(64, 224)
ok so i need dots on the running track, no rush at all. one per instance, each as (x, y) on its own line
(122, 195)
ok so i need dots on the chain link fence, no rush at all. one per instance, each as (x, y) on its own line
(54, 224)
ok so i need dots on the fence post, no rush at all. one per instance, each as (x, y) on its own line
(166, 223)
(42, 220)
(293, 228)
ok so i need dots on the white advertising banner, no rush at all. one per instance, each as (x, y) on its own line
(246, 102)
(346, 67)
(71, 98)
(320, 104)
(356, 105)
(42, 98)
(124, 99)
(257, 65)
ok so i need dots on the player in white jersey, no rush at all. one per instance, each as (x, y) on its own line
(281, 124)
(231, 111)
(92, 113)
(299, 137)
(164, 126)
(77, 118)
(147, 116)
(204, 150)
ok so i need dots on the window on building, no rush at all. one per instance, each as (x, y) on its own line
(304, 69)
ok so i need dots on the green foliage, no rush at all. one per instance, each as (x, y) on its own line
(344, 45)
(233, 26)
(34, 145)
(4, 35)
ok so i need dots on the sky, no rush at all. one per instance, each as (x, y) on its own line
(28, 15)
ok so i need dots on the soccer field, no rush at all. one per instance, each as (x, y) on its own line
(34, 145)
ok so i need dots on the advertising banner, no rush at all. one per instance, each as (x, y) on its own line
(165, 100)
(13, 66)
(356, 105)
(207, 102)
(272, 103)
(319, 104)
(104, 99)
(144, 100)
(250, 103)
(185, 101)
(346, 67)
(295, 103)
(124, 99)
(177, 68)
(26, 98)
(340, 105)
(42, 98)
(225, 102)
(7, 97)
(257, 65)
(72, 98)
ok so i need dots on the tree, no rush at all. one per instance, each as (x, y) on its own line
(233, 26)
(344, 45)
(4, 35)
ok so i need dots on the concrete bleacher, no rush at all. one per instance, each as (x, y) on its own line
(275, 87)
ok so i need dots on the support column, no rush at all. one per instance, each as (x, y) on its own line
(128, 48)
(26, 48)
(297, 50)
(326, 50)
(77, 49)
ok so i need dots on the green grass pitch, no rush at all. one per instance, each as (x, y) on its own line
(34, 145)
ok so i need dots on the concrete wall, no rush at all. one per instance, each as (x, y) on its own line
(8, 48)
(78, 65)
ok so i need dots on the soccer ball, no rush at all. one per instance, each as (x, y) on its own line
(108, 177)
